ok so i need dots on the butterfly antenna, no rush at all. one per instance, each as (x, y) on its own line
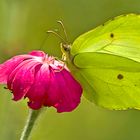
(56, 34)
(64, 30)
(43, 42)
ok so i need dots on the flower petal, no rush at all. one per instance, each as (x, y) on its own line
(35, 105)
(64, 92)
(38, 53)
(37, 91)
(21, 79)
(7, 67)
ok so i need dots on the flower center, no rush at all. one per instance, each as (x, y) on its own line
(48, 59)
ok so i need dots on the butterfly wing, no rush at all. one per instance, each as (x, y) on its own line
(108, 63)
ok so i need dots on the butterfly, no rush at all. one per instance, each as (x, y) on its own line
(106, 62)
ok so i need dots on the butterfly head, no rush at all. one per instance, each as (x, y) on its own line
(65, 49)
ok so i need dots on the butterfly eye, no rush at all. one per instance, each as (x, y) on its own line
(66, 47)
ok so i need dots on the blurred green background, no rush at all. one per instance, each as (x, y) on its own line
(23, 26)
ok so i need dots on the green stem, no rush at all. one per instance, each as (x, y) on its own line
(33, 114)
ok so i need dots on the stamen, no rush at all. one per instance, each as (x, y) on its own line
(61, 68)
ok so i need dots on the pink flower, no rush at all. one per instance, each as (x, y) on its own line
(42, 79)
